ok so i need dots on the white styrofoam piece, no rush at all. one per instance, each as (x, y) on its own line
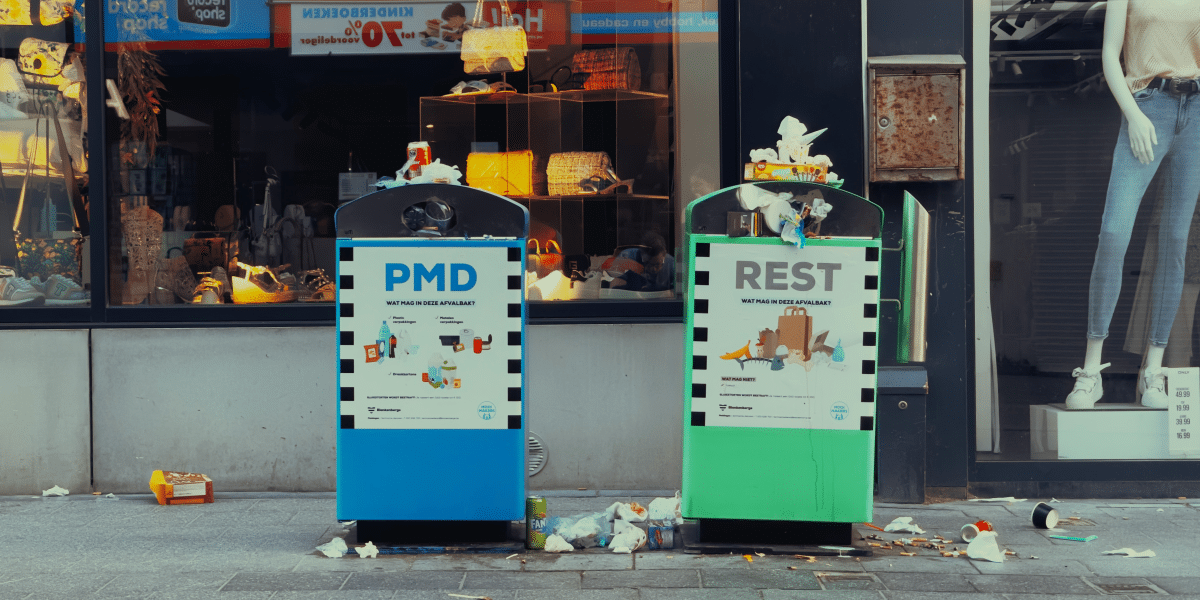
(1110, 431)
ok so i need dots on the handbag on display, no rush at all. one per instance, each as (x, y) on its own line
(203, 251)
(42, 62)
(498, 49)
(572, 173)
(608, 69)
(43, 257)
(542, 260)
(504, 173)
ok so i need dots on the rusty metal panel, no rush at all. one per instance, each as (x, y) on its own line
(917, 127)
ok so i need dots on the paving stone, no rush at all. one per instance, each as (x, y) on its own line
(1099, 582)
(463, 562)
(926, 582)
(339, 595)
(613, 594)
(274, 582)
(908, 595)
(690, 594)
(577, 562)
(825, 595)
(679, 560)
(778, 579)
(383, 563)
(641, 579)
(1178, 585)
(847, 580)
(784, 561)
(140, 585)
(63, 585)
(919, 564)
(1030, 584)
(193, 595)
(409, 580)
(1119, 566)
(501, 580)
(1028, 566)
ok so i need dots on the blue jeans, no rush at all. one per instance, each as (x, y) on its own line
(1177, 123)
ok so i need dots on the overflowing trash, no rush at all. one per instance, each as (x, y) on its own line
(335, 548)
(623, 527)
(556, 543)
(628, 537)
(55, 491)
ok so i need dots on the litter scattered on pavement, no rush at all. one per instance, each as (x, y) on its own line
(466, 596)
(55, 491)
(368, 550)
(971, 530)
(1052, 500)
(985, 547)
(335, 548)
(556, 543)
(175, 487)
(903, 525)
(1131, 553)
(807, 558)
(1004, 499)
(873, 526)
(1075, 539)
(748, 558)
(1043, 516)
(511, 556)
(628, 537)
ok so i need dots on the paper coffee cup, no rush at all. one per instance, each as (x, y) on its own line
(1044, 516)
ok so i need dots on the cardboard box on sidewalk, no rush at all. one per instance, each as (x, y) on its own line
(173, 487)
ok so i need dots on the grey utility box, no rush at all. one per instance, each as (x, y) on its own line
(900, 439)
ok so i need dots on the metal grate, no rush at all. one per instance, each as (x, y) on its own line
(536, 454)
(833, 577)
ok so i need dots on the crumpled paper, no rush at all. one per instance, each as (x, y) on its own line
(335, 548)
(369, 550)
(1131, 553)
(903, 525)
(55, 491)
(556, 543)
(776, 208)
(985, 547)
(665, 509)
(434, 172)
(624, 512)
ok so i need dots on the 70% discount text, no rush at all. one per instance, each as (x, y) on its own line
(373, 32)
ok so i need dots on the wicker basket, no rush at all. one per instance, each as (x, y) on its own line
(568, 172)
(608, 69)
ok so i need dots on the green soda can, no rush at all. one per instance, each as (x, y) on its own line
(535, 522)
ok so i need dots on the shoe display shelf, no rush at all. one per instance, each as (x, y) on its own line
(632, 127)
(1109, 431)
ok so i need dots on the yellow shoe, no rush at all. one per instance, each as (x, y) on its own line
(259, 285)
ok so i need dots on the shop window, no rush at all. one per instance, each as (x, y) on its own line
(224, 182)
(43, 159)
(1061, 160)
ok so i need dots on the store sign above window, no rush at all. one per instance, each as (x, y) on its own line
(318, 29)
(187, 24)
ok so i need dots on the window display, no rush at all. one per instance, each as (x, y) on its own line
(43, 163)
(1095, 189)
(224, 180)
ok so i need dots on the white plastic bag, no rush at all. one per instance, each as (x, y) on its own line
(624, 512)
(984, 547)
(556, 543)
(627, 537)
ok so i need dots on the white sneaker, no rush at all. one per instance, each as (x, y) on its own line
(1152, 388)
(16, 291)
(61, 291)
(1087, 390)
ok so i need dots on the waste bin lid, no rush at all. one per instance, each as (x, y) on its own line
(432, 210)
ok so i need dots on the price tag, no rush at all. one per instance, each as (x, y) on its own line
(1183, 428)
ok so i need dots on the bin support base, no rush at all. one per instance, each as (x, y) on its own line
(434, 533)
(723, 536)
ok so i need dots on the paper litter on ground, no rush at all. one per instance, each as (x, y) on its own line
(1131, 553)
(55, 491)
(1004, 499)
(984, 547)
(903, 525)
(335, 548)
(369, 550)
(556, 543)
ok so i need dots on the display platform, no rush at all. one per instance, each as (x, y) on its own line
(1112, 431)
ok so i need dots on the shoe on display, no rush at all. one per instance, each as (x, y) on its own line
(1152, 388)
(259, 285)
(17, 291)
(318, 286)
(1087, 390)
(61, 291)
(209, 291)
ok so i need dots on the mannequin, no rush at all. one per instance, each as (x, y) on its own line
(1151, 57)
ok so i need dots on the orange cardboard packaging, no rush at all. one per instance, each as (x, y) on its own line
(173, 487)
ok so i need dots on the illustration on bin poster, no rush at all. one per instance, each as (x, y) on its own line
(785, 339)
(431, 343)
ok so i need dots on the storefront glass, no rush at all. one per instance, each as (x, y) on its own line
(1071, 184)
(43, 162)
(250, 127)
